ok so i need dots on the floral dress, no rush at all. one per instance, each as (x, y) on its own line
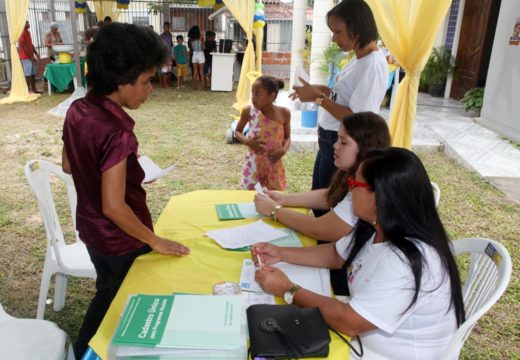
(258, 167)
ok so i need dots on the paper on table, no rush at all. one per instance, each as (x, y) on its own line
(253, 298)
(313, 279)
(300, 73)
(151, 170)
(245, 235)
(259, 189)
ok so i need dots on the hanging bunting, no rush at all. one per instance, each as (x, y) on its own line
(122, 4)
(218, 4)
(205, 3)
(80, 6)
(259, 17)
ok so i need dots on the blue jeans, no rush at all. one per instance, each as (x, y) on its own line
(324, 165)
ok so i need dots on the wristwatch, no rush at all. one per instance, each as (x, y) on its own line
(274, 212)
(288, 296)
(319, 100)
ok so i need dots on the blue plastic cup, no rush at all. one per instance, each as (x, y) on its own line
(309, 119)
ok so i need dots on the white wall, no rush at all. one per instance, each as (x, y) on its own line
(501, 109)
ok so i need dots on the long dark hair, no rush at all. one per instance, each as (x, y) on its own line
(406, 213)
(358, 17)
(194, 33)
(369, 131)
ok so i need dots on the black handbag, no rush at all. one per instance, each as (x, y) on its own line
(287, 332)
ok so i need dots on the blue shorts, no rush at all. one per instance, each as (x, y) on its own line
(28, 67)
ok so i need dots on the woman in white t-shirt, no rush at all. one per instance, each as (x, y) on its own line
(358, 133)
(360, 86)
(406, 294)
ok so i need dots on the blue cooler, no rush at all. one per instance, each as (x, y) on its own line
(309, 119)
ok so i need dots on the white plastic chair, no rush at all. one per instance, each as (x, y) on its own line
(488, 276)
(32, 339)
(436, 194)
(60, 259)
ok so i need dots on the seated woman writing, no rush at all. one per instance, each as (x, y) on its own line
(358, 133)
(406, 294)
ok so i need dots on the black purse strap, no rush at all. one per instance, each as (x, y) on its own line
(360, 353)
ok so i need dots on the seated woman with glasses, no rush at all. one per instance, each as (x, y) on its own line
(358, 133)
(406, 293)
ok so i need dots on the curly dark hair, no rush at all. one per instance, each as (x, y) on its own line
(120, 53)
(194, 33)
(271, 84)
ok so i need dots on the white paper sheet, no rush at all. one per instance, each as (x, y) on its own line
(151, 170)
(254, 298)
(245, 235)
(313, 279)
(300, 73)
(259, 189)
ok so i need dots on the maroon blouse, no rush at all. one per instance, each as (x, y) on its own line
(97, 135)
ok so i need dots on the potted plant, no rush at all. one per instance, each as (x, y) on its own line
(440, 64)
(473, 99)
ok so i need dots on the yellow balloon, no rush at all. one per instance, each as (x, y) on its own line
(258, 24)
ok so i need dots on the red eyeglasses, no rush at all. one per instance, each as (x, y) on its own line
(353, 183)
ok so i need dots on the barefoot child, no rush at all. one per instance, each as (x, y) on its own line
(269, 136)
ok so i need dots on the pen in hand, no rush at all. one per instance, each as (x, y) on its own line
(260, 262)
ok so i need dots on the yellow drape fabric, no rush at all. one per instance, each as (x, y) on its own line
(408, 29)
(17, 11)
(259, 35)
(243, 11)
(106, 8)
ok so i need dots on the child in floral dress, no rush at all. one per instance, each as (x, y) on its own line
(269, 136)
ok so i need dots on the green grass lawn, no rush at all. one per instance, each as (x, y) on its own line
(187, 128)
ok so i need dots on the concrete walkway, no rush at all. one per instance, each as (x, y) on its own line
(442, 125)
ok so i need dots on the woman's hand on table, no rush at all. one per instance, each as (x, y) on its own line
(268, 253)
(264, 204)
(273, 280)
(169, 247)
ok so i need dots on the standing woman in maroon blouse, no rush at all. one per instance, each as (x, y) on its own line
(100, 151)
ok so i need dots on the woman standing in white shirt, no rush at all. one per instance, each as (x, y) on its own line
(406, 293)
(360, 86)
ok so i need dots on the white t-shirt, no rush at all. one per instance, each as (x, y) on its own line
(361, 86)
(345, 211)
(382, 286)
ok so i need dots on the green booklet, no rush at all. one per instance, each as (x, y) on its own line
(198, 322)
(236, 211)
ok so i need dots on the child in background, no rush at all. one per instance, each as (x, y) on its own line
(269, 136)
(196, 45)
(210, 45)
(180, 55)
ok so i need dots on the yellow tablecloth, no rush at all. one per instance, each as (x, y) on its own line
(185, 219)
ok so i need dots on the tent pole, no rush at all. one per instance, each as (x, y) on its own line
(74, 25)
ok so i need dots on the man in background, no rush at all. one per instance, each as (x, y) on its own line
(53, 37)
(29, 56)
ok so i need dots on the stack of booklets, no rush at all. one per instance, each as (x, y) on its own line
(181, 327)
